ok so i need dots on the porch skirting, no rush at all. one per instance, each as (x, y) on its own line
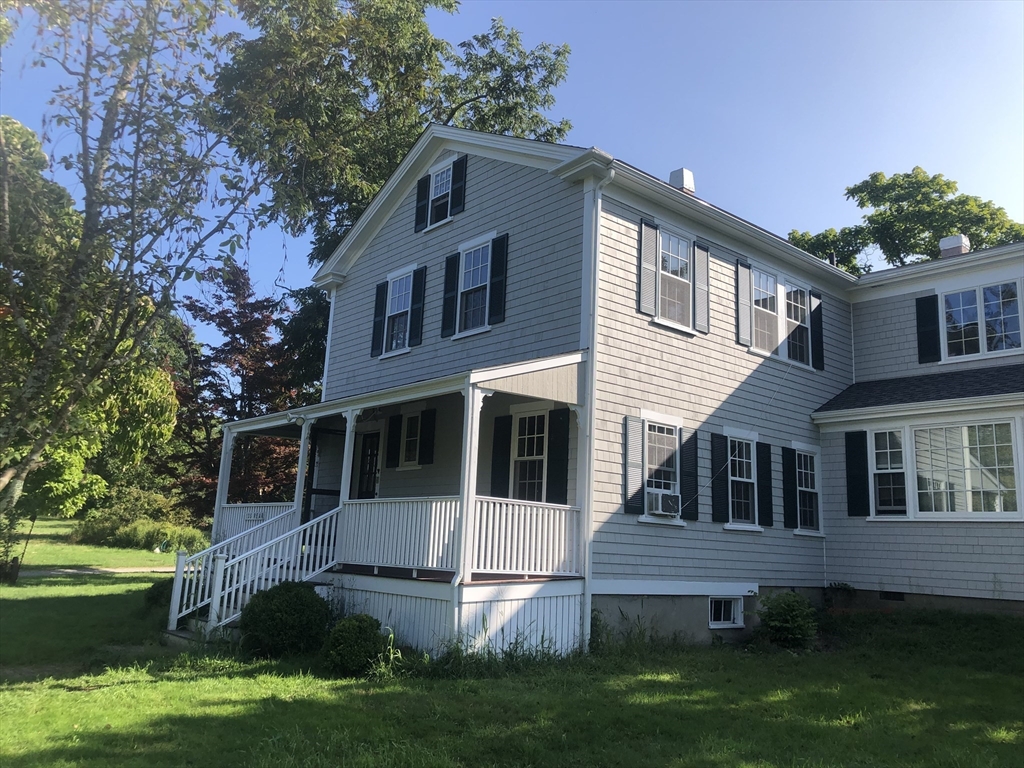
(492, 615)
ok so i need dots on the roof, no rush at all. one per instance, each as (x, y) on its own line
(953, 385)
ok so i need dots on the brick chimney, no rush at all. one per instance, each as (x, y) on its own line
(682, 179)
(954, 245)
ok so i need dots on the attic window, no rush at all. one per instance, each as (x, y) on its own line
(441, 193)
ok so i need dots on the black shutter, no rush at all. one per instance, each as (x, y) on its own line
(719, 478)
(501, 456)
(419, 285)
(929, 342)
(394, 450)
(701, 309)
(499, 263)
(742, 303)
(790, 515)
(558, 456)
(457, 196)
(380, 306)
(633, 472)
(450, 309)
(648, 302)
(689, 488)
(765, 491)
(422, 202)
(858, 478)
(817, 333)
(428, 420)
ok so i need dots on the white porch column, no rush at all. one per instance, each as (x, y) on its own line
(227, 450)
(474, 400)
(349, 455)
(300, 478)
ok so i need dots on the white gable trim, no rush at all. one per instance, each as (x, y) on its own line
(434, 140)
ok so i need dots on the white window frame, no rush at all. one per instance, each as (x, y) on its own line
(874, 471)
(688, 242)
(747, 436)
(907, 428)
(406, 418)
(676, 424)
(979, 297)
(437, 170)
(737, 612)
(468, 247)
(783, 285)
(815, 488)
(392, 278)
(525, 412)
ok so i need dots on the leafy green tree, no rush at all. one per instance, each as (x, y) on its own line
(909, 213)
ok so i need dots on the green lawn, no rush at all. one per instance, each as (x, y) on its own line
(48, 548)
(83, 683)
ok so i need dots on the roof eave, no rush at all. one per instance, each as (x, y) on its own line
(960, 405)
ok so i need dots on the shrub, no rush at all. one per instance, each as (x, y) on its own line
(354, 645)
(149, 534)
(158, 594)
(788, 619)
(137, 519)
(285, 620)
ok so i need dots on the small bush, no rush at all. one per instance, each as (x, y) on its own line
(151, 535)
(285, 620)
(132, 518)
(788, 619)
(158, 594)
(354, 645)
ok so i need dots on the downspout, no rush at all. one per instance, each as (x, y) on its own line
(594, 254)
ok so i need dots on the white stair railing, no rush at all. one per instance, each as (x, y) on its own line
(193, 575)
(299, 555)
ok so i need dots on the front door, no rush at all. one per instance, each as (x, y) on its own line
(369, 466)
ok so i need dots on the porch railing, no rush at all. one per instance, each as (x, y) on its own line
(233, 519)
(524, 537)
(193, 575)
(408, 533)
(299, 555)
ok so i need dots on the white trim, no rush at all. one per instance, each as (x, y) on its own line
(662, 418)
(673, 231)
(979, 307)
(537, 406)
(433, 590)
(832, 421)
(522, 411)
(402, 463)
(653, 588)
(484, 593)
(407, 270)
(476, 242)
(437, 225)
(737, 622)
(646, 519)
(471, 331)
(482, 375)
(745, 527)
(395, 353)
(327, 347)
(803, 532)
(673, 326)
(740, 434)
(814, 451)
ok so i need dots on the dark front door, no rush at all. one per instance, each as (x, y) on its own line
(369, 463)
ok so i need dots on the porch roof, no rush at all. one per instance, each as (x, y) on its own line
(550, 377)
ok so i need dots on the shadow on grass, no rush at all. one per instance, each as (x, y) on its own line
(708, 708)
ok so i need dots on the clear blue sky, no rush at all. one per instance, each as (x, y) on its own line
(776, 107)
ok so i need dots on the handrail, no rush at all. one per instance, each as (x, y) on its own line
(298, 555)
(193, 585)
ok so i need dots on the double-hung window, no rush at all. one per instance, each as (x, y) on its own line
(983, 320)
(528, 456)
(662, 470)
(474, 286)
(674, 283)
(807, 492)
(474, 279)
(441, 193)
(410, 441)
(798, 324)
(396, 334)
(889, 478)
(766, 313)
(741, 482)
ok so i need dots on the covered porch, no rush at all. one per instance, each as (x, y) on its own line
(472, 478)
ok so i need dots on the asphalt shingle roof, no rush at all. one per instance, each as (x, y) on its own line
(954, 385)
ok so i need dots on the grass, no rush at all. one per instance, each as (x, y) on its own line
(84, 685)
(48, 549)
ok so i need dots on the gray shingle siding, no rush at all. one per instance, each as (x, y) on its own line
(543, 217)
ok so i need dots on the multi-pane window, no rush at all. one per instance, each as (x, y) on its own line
(798, 325)
(440, 191)
(965, 469)
(766, 317)
(807, 492)
(396, 334)
(662, 470)
(725, 612)
(473, 287)
(889, 478)
(997, 306)
(741, 481)
(674, 291)
(528, 457)
(411, 440)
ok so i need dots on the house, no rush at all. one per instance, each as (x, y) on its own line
(557, 387)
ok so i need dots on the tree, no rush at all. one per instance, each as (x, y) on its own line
(333, 95)
(909, 214)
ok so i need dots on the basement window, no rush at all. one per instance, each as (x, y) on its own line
(725, 612)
